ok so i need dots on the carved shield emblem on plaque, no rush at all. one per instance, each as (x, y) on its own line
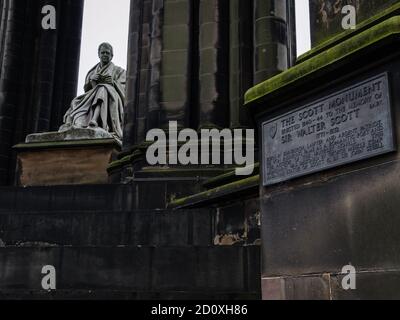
(273, 130)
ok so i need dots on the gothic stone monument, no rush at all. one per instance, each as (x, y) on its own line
(89, 139)
(329, 162)
(188, 61)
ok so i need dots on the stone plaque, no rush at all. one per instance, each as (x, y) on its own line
(353, 124)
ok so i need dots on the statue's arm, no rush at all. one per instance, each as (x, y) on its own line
(121, 78)
(87, 87)
(119, 81)
(91, 81)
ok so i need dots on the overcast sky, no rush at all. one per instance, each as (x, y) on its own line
(104, 21)
(303, 26)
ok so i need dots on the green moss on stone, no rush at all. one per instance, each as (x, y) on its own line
(124, 161)
(227, 177)
(217, 192)
(331, 56)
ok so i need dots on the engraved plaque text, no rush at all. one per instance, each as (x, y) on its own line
(348, 126)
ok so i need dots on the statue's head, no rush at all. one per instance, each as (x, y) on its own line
(106, 52)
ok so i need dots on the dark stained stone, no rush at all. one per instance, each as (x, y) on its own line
(326, 15)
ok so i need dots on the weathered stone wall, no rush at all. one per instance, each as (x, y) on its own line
(105, 242)
(314, 225)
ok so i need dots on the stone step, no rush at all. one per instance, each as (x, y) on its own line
(99, 198)
(96, 215)
(108, 228)
(144, 194)
(108, 295)
(243, 188)
(132, 271)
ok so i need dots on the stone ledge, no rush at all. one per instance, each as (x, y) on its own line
(72, 134)
(67, 144)
(226, 178)
(243, 187)
(129, 159)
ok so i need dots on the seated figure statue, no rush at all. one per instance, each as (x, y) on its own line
(102, 104)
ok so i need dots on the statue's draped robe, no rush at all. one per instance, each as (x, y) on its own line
(110, 96)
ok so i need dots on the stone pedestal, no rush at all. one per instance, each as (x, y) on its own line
(69, 158)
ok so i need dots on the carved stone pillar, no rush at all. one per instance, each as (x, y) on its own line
(176, 62)
(138, 73)
(156, 47)
(270, 35)
(192, 62)
(38, 71)
(133, 75)
(240, 58)
(214, 64)
(10, 44)
(143, 109)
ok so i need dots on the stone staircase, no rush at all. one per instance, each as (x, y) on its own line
(107, 241)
